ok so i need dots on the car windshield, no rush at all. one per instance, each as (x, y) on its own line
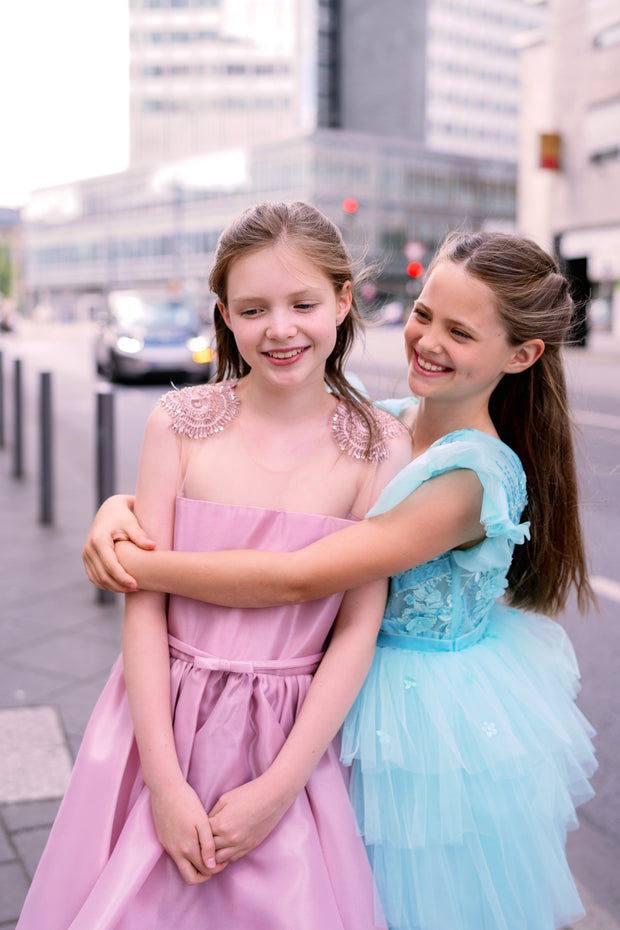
(131, 310)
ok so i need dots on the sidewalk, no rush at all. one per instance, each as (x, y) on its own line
(57, 645)
(56, 648)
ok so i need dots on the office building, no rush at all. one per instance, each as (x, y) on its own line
(569, 164)
(408, 107)
(210, 74)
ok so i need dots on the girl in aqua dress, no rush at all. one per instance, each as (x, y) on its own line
(208, 699)
(468, 752)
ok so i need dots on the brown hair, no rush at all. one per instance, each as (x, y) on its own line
(321, 242)
(530, 413)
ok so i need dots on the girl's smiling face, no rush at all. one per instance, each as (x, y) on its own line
(283, 312)
(456, 344)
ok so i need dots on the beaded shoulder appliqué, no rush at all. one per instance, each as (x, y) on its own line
(200, 411)
(351, 433)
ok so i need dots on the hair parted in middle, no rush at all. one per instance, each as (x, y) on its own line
(317, 238)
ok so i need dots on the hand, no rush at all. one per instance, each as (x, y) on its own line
(114, 521)
(183, 830)
(242, 818)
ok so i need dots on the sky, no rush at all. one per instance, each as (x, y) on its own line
(64, 97)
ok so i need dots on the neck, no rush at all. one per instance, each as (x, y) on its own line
(277, 402)
(436, 419)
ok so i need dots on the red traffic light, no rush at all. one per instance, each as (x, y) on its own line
(415, 269)
(350, 205)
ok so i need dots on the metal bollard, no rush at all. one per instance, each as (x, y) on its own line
(18, 433)
(46, 511)
(106, 459)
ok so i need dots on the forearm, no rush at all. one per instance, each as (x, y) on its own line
(214, 576)
(147, 674)
(442, 514)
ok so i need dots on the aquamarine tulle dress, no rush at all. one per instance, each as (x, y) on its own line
(468, 752)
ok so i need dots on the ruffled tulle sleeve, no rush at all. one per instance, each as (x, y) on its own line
(504, 495)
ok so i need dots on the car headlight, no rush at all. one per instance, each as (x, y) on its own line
(129, 344)
(197, 344)
(199, 347)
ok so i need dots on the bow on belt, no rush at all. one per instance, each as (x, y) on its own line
(303, 665)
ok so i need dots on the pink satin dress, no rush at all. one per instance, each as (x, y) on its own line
(239, 677)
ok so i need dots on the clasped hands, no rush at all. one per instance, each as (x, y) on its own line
(203, 844)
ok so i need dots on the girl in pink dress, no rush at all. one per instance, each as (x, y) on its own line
(211, 707)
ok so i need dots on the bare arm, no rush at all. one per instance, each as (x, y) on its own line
(114, 520)
(181, 821)
(243, 817)
(442, 514)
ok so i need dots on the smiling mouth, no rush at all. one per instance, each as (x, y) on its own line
(284, 353)
(429, 366)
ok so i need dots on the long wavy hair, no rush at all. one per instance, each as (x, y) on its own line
(320, 241)
(531, 414)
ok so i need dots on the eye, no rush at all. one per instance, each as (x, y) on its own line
(460, 334)
(250, 312)
(305, 306)
(421, 314)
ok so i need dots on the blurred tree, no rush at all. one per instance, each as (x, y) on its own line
(6, 270)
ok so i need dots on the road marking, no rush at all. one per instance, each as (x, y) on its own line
(592, 418)
(606, 587)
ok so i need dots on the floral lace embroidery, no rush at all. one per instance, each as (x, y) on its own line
(201, 411)
(351, 433)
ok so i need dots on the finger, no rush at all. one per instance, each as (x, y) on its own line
(229, 854)
(190, 874)
(114, 568)
(139, 538)
(206, 844)
(107, 573)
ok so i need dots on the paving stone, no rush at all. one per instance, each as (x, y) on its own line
(7, 853)
(30, 844)
(13, 888)
(70, 653)
(35, 763)
(28, 814)
(20, 685)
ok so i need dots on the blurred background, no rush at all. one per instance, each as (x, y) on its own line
(132, 132)
(136, 129)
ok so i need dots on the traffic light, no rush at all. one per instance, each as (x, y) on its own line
(350, 205)
(415, 269)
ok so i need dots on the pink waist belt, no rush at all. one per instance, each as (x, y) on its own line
(304, 665)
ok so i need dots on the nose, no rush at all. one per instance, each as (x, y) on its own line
(282, 324)
(425, 336)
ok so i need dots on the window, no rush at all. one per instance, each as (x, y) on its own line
(601, 131)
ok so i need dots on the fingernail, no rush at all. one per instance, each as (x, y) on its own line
(211, 863)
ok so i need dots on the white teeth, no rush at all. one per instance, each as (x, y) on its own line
(427, 366)
(288, 354)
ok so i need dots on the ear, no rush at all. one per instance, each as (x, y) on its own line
(224, 312)
(344, 300)
(524, 356)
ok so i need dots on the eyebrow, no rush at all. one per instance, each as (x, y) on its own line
(297, 295)
(452, 321)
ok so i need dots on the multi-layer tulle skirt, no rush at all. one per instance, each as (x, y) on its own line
(467, 768)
